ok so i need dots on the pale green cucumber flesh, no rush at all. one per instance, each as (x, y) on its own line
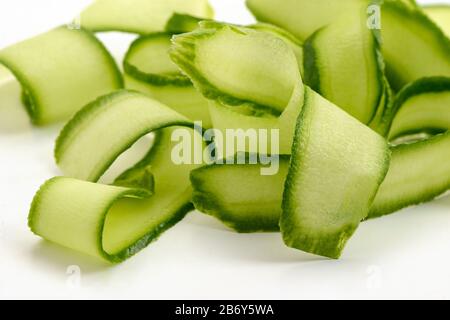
(240, 196)
(139, 16)
(116, 221)
(343, 63)
(99, 131)
(56, 81)
(337, 166)
(440, 14)
(423, 51)
(301, 17)
(220, 60)
(185, 100)
(419, 171)
(149, 69)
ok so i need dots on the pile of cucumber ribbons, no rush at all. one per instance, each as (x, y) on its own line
(361, 104)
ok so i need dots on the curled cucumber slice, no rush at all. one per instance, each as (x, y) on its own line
(226, 64)
(119, 220)
(149, 69)
(343, 63)
(60, 71)
(419, 172)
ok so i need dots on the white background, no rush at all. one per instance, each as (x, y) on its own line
(406, 255)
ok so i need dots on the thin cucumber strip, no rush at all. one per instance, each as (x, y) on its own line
(424, 50)
(423, 106)
(418, 172)
(139, 16)
(119, 220)
(302, 17)
(240, 196)
(440, 14)
(343, 63)
(222, 64)
(149, 69)
(148, 60)
(99, 130)
(184, 23)
(337, 166)
(60, 71)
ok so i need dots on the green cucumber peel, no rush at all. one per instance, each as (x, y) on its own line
(139, 16)
(87, 68)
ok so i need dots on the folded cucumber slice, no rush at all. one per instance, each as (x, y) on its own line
(337, 166)
(424, 50)
(440, 14)
(229, 64)
(249, 94)
(227, 192)
(149, 69)
(60, 71)
(343, 63)
(119, 220)
(418, 172)
(139, 16)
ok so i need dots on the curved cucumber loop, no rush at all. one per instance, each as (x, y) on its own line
(249, 94)
(424, 50)
(121, 219)
(139, 16)
(343, 63)
(60, 71)
(440, 14)
(149, 69)
(337, 166)
(419, 171)
(88, 132)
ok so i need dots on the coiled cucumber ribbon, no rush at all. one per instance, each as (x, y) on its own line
(114, 221)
